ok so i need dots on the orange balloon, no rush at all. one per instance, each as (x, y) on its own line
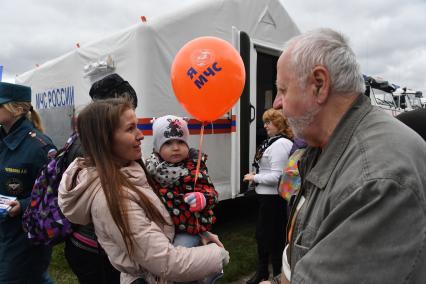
(208, 77)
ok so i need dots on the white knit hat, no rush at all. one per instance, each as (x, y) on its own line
(169, 127)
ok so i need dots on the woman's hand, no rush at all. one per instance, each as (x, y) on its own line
(207, 237)
(249, 177)
(15, 208)
(225, 257)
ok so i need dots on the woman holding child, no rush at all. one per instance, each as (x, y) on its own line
(112, 190)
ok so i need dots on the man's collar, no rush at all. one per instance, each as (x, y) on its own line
(338, 142)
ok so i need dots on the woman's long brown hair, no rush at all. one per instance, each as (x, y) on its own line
(96, 126)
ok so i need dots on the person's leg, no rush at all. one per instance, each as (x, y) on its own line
(211, 279)
(279, 219)
(46, 279)
(40, 258)
(262, 239)
(186, 240)
(262, 257)
(111, 275)
(86, 265)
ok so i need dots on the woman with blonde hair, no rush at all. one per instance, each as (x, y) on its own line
(24, 149)
(110, 188)
(271, 156)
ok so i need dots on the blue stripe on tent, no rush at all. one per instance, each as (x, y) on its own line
(145, 126)
(210, 126)
(194, 126)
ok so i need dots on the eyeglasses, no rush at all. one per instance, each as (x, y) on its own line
(267, 122)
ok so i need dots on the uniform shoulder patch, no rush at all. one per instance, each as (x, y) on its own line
(34, 135)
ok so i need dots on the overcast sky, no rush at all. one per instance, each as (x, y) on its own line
(388, 36)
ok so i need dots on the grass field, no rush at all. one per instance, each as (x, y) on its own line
(235, 227)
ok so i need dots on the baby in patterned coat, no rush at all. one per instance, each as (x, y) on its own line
(173, 165)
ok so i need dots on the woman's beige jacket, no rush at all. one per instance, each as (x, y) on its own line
(154, 256)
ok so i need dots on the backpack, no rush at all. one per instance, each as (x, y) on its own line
(43, 220)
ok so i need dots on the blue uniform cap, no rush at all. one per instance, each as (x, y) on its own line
(14, 93)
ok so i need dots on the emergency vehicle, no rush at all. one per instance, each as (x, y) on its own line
(390, 97)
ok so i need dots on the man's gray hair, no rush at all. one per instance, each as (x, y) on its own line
(330, 49)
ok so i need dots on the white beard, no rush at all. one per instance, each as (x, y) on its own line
(299, 124)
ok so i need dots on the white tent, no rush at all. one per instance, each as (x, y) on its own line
(143, 54)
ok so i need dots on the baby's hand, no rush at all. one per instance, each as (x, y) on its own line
(195, 200)
(207, 237)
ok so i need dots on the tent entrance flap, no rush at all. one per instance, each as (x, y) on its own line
(245, 112)
(266, 89)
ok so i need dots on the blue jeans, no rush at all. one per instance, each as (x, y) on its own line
(186, 240)
(46, 279)
(189, 241)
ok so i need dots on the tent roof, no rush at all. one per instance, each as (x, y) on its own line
(266, 21)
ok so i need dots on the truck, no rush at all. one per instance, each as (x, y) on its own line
(391, 98)
(381, 94)
(408, 99)
(143, 55)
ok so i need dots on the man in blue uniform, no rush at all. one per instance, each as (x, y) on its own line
(23, 151)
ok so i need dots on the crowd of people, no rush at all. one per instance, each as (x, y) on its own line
(358, 214)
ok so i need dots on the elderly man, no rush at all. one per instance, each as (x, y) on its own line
(360, 216)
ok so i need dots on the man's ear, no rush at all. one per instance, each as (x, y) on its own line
(321, 80)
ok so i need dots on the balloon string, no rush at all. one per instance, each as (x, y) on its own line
(197, 170)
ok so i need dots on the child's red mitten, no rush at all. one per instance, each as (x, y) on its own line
(195, 200)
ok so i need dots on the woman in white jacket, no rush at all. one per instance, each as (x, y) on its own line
(270, 159)
(111, 189)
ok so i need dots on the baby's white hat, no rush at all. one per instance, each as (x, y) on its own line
(169, 127)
